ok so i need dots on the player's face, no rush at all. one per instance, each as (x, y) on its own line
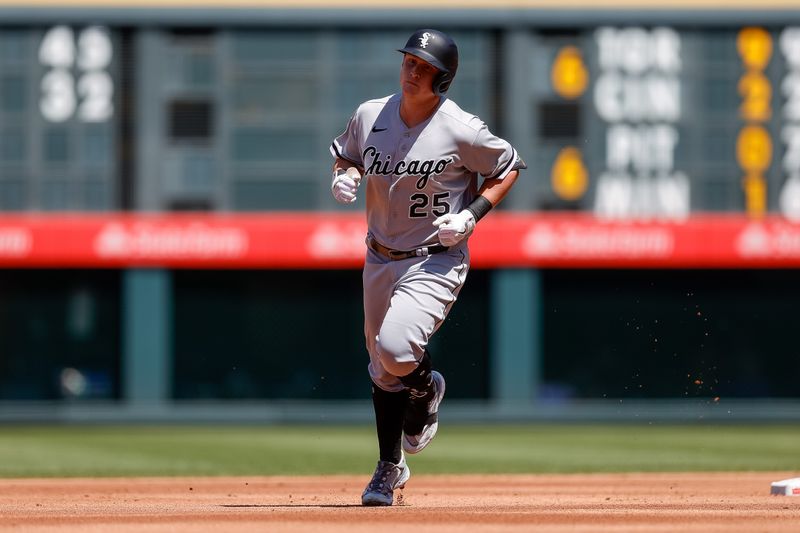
(416, 76)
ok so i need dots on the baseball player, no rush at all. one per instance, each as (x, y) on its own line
(419, 157)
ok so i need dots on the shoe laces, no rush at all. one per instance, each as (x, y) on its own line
(380, 479)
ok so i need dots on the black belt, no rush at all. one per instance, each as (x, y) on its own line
(396, 255)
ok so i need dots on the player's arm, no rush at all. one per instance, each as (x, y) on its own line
(344, 164)
(495, 189)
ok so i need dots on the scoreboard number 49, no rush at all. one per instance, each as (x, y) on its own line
(76, 82)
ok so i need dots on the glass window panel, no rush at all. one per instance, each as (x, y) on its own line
(194, 69)
(56, 144)
(13, 94)
(198, 173)
(377, 46)
(251, 144)
(256, 195)
(721, 95)
(97, 195)
(286, 95)
(470, 99)
(199, 69)
(469, 44)
(96, 145)
(12, 195)
(14, 46)
(55, 195)
(279, 45)
(719, 147)
(720, 46)
(718, 194)
(351, 91)
(12, 145)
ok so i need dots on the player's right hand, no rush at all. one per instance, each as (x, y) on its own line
(345, 184)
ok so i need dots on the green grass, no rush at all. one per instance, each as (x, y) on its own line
(33, 451)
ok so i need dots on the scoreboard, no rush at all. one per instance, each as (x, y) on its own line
(59, 124)
(664, 121)
(624, 121)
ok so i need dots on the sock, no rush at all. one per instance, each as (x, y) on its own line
(421, 391)
(389, 411)
(420, 380)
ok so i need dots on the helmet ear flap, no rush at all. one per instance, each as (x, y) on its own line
(442, 83)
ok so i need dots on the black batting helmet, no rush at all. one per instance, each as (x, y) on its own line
(438, 49)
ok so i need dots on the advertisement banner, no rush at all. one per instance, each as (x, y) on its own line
(291, 240)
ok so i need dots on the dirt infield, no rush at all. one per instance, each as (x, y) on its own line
(730, 502)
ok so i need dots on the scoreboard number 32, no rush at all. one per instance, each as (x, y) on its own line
(76, 82)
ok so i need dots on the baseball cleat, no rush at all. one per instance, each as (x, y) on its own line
(427, 414)
(387, 477)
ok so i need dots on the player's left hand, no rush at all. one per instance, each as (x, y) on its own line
(455, 227)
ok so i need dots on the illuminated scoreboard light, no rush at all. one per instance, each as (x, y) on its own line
(754, 145)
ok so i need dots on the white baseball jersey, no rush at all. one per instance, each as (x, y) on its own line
(414, 175)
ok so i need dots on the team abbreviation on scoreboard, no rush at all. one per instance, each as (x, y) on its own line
(789, 198)
(638, 94)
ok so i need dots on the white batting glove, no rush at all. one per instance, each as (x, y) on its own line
(345, 185)
(454, 228)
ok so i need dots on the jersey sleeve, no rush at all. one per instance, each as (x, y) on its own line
(348, 144)
(490, 156)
